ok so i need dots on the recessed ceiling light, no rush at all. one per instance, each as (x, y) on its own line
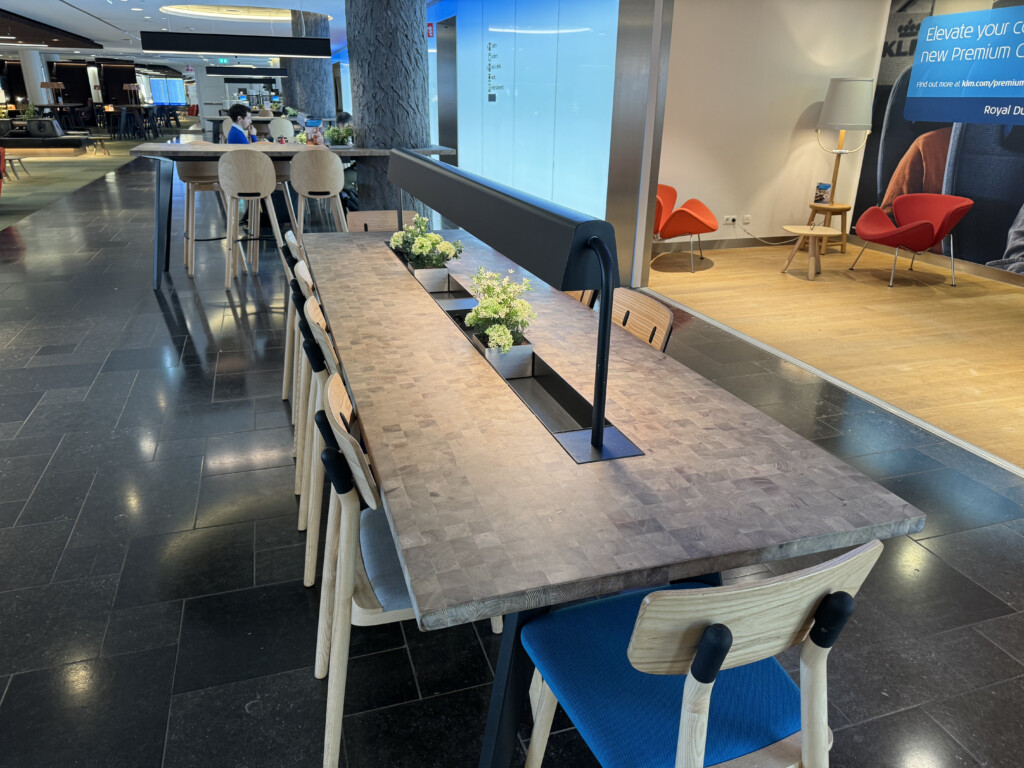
(147, 17)
(77, 51)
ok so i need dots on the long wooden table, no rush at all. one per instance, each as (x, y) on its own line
(492, 517)
(167, 153)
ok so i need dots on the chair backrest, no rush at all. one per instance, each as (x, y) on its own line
(986, 164)
(265, 113)
(668, 197)
(337, 404)
(765, 617)
(318, 327)
(643, 316)
(305, 279)
(281, 126)
(659, 213)
(225, 126)
(377, 221)
(943, 212)
(293, 247)
(197, 171)
(246, 174)
(317, 173)
(586, 298)
(691, 218)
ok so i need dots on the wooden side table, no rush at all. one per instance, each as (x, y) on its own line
(812, 235)
(828, 210)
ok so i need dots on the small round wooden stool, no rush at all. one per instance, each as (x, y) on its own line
(812, 235)
(828, 210)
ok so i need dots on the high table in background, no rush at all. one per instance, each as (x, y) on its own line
(492, 517)
(167, 153)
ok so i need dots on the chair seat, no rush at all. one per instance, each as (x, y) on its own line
(875, 227)
(380, 559)
(631, 719)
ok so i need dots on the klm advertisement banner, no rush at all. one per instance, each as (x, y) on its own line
(969, 68)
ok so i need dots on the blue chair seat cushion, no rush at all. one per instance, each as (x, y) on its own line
(380, 559)
(630, 719)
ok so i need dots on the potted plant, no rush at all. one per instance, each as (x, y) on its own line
(426, 253)
(339, 135)
(31, 113)
(500, 320)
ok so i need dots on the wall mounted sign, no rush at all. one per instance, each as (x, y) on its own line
(969, 68)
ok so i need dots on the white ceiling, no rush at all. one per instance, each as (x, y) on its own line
(116, 27)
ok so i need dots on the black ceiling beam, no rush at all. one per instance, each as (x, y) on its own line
(236, 45)
(34, 32)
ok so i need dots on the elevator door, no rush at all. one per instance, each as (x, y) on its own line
(447, 90)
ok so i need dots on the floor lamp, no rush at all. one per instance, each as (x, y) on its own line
(847, 107)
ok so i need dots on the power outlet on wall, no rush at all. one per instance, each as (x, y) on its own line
(746, 218)
(729, 219)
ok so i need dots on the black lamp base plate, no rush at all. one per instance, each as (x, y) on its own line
(615, 446)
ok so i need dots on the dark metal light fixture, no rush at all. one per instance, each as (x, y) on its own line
(236, 45)
(566, 249)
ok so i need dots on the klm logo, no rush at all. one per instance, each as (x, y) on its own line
(898, 48)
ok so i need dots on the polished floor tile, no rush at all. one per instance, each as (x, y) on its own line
(213, 419)
(245, 634)
(90, 450)
(446, 661)
(908, 739)
(987, 722)
(55, 624)
(143, 627)
(29, 554)
(275, 721)
(992, 557)
(244, 451)
(58, 496)
(440, 732)
(239, 496)
(102, 713)
(178, 565)
(19, 475)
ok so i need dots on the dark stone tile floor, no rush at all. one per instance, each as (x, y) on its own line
(151, 605)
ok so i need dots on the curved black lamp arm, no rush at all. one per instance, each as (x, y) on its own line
(604, 332)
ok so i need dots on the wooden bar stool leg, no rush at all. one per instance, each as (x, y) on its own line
(823, 246)
(289, 344)
(812, 256)
(229, 256)
(845, 230)
(300, 220)
(339, 214)
(327, 584)
(189, 203)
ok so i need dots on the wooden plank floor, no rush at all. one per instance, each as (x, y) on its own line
(953, 357)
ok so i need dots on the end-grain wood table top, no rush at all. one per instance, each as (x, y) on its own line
(490, 513)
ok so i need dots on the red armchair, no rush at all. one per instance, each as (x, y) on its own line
(692, 218)
(922, 221)
(665, 204)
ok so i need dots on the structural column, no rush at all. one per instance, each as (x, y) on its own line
(387, 54)
(33, 69)
(309, 86)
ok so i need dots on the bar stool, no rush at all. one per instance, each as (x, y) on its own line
(318, 174)
(301, 293)
(245, 174)
(290, 258)
(198, 177)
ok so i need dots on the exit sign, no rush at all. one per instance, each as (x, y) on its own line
(223, 60)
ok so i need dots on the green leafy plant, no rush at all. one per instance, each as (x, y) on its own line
(31, 112)
(300, 137)
(401, 242)
(432, 251)
(334, 136)
(290, 111)
(501, 315)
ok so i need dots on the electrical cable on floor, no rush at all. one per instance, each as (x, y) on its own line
(789, 241)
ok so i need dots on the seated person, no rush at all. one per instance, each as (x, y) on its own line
(1013, 258)
(243, 131)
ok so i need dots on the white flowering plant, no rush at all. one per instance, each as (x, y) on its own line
(401, 242)
(501, 315)
(430, 251)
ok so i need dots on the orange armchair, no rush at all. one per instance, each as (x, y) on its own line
(692, 218)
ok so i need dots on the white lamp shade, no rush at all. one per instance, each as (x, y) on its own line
(847, 105)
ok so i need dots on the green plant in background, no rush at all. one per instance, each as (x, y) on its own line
(432, 251)
(300, 137)
(290, 112)
(31, 112)
(338, 135)
(501, 315)
(401, 241)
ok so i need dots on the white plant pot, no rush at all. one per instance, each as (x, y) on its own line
(434, 280)
(517, 363)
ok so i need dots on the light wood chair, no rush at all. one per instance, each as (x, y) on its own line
(362, 572)
(301, 384)
(318, 174)
(225, 127)
(201, 176)
(643, 316)
(291, 343)
(265, 113)
(377, 221)
(281, 127)
(724, 636)
(246, 174)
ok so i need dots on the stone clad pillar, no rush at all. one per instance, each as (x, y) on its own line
(387, 54)
(33, 69)
(309, 86)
